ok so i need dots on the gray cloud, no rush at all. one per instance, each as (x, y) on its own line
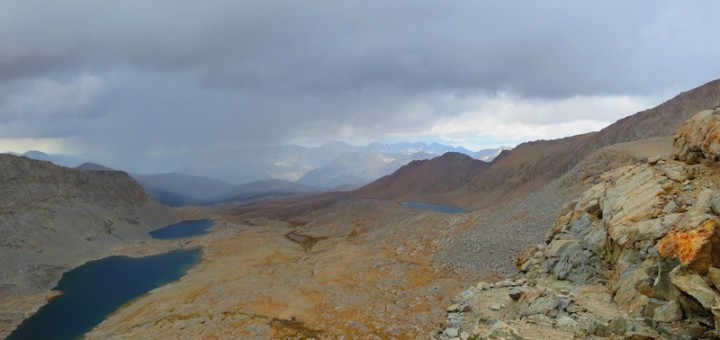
(137, 78)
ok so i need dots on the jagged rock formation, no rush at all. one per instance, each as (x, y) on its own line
(649, 234)
(54, 218)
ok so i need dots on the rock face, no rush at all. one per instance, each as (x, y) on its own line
(649, 232)
(53, 218)
(648, 235)
(699, 137)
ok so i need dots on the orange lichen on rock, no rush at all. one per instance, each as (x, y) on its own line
(694, 247)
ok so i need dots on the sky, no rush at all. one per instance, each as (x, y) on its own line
(133, 82)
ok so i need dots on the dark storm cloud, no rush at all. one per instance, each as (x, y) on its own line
(146, 77)
(537, 48)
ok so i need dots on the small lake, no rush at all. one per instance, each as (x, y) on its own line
(95, 289)
(448, 209)
(182, 229)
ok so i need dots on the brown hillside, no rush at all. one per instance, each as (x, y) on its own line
(424, 178)
(522, 170)
(532, 165)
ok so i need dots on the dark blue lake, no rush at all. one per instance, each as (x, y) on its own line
(94, 290)
(182, 229)
(448, 209)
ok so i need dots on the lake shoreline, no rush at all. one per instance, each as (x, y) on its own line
(93, 291)
(19, 305)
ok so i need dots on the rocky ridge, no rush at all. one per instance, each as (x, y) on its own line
(636, 256)
(425, 178)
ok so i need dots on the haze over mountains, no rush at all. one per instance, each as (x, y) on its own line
(291, 162)
(277, 171)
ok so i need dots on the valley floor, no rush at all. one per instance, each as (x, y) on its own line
(255, 282)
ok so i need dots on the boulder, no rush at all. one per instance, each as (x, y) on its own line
(654, 159)
(516, 292)
(695, 286)
(714, 276)
(716, 317)
(451, 332)
(699, 137)
(501, 330)
(566, 321)
(715, 204)
(668, 312)
(541, 302)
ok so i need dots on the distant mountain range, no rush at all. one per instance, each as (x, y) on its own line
(354, 169)
(532, 165)
(292, 162)
(488, 155)
(175, 189)
(277, 170)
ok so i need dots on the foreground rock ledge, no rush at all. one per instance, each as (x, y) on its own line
(635, 256)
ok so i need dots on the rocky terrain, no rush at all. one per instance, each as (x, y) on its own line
(636, 256)
(54, 218)
(344, 274)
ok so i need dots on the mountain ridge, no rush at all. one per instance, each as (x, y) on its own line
(420, 178)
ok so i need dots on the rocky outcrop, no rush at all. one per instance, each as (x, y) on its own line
(648, 235)
(699, 138)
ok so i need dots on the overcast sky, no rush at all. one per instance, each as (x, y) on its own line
(130, 82)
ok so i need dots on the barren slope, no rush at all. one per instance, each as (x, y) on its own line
(426, 178)
(532, 165)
